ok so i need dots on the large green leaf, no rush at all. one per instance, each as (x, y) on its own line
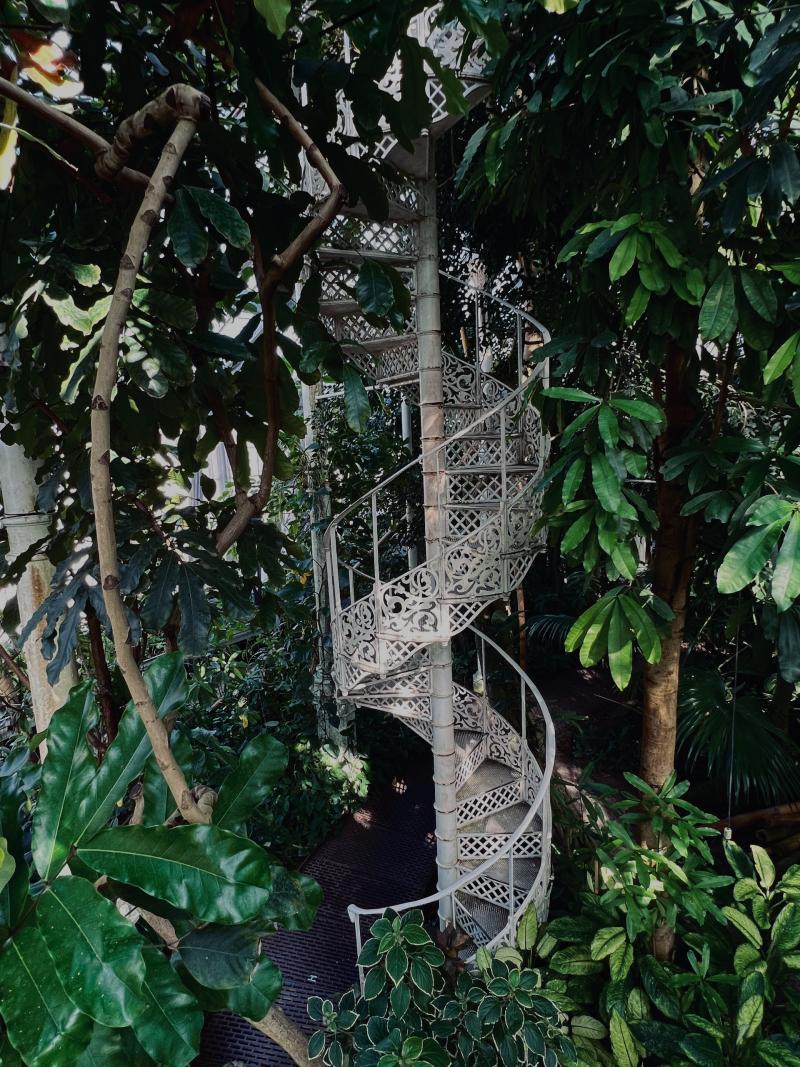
(7, 864)
(373, 288)
(223, 216)
(261, 763)
(221, 957)
(718, 311)
(760, 294)
(172, 1019)
(786, 576)
(157, 606)
(97, 953)
(620, 649)
(189, 239)
(211, 873)
(623, 1042)
(113, 1048)
(356, 401)
(195, 613)
(66, 779)
(126, 756)
(252, 999)
(275, 13)
(44, 1025)
(606, 483)
(782, 358)
(294, 899)
(747, 557)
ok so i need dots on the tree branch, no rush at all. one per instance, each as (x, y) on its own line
(268, 278)
(189, 105)
(99, 145)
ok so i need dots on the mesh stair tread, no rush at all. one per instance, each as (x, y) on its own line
(490, 775)
(525, 871)
(504, 821)
(491, 918)
(466, 742)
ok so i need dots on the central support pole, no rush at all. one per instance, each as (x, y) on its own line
(434, 481)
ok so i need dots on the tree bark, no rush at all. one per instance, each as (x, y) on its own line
(277, 1026)
(673, 562)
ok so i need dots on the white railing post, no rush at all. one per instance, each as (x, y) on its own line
(431, 395)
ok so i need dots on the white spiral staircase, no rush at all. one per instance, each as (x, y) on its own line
(387, 609)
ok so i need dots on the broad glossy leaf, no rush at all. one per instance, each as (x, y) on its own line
(7, 864)
(189, 239)
(221, 956)
(786, 168)
(261, 763)
(44, 1025)
(748, 557)
(786, 929)
(620, 650)
(113, 1048)
(356, 401)
(177, 311)
(223, 216)
(718, 311)
(294, 900)
(252, 999)
(373, 288)
(157, 606)
(782, 359)
(606, 483)
(66, 778)
(195, 612)
(528, 929)
(623, 258)
(623, 1042)
(211, 873)
(760, 294)
(172, 1019)
(87, 937)
(275, 13)
(126, 756)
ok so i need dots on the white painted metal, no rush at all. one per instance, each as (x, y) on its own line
(25, 526)
(483, 452)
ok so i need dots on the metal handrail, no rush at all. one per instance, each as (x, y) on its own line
(464, 431)
(354, 912)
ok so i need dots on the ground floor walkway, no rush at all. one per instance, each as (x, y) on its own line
(384, 853)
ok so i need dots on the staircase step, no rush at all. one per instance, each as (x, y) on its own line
(484, 920)
(397, 212)
(490, 775)
(358, 255)
(503, 821)
(525, 871)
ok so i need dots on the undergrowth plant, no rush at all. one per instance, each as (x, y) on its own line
(119, 927)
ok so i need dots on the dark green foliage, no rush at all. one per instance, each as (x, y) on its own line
(79, 981)
(409, 1013)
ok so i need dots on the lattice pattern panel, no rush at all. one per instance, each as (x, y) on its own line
(498, 893)
(398, 361)
(489, 803)
(473, 759)
(390, 239)
(482, 846)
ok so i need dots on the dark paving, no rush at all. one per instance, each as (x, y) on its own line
(383, 854)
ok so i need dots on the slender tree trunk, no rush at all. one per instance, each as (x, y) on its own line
(673, 561)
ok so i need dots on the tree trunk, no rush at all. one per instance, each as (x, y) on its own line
(673, 561)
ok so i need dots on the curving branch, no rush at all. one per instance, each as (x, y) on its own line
(186, 106)
(268, 278)
(97, 144)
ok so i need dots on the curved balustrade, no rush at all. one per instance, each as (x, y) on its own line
(385, 615)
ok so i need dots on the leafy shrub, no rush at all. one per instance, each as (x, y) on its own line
(411, 1013)
(117, 937)
(729, 995)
